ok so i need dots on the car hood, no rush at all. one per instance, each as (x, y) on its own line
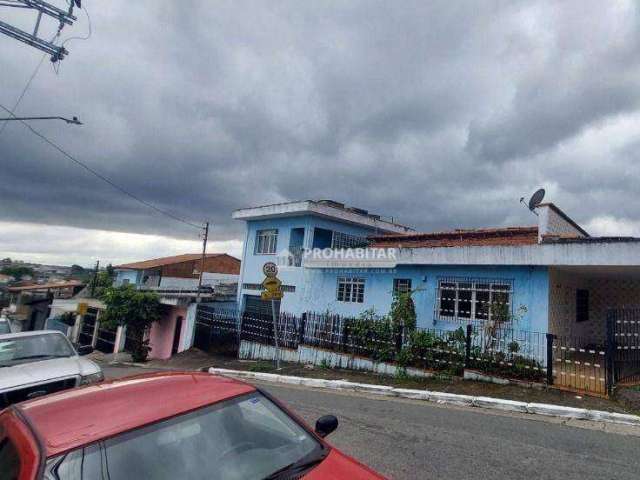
(37, 372)
(339, 466)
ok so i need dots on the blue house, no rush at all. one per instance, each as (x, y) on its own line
(551, 277)
(282, 233)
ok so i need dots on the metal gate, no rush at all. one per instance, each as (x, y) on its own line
(625, 325)
(216, 330)
(579, 365)
(106, 340)
(88, 326)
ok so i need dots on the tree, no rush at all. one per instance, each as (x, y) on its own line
(77, 270)
(17, 271)
(403, 311)
(135, 309)
(99, 283)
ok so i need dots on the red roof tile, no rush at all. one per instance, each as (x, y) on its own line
(160, 262)
(460, 238)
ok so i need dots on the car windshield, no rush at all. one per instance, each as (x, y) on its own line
(16, 350)
(248, 437)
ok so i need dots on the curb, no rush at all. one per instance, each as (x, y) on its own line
(441, 398)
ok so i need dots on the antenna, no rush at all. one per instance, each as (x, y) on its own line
(534, 201)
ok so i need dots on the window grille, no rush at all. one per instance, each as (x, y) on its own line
(266, 242)
(401, 285)
(344, 240)
(467, 299)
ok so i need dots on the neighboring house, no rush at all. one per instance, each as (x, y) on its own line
(281, 233)
(175, 280)
(29, 305)
(551, 277)
(5, 279)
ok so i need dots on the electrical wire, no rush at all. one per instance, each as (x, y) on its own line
(28, 84)
(89, 33)
(100, 176)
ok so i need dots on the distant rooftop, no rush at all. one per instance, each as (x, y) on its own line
(163, 261)
(322, 208)
(47, 286)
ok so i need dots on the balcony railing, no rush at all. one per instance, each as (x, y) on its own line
(293, 258)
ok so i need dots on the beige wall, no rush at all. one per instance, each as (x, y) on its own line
(604, 293)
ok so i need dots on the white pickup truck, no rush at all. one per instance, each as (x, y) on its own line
(33, 364)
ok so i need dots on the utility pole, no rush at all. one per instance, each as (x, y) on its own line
(42, 8)
(204, 253)
(95, 278)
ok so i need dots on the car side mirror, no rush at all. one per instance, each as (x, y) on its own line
(84, 350)
(326, 424)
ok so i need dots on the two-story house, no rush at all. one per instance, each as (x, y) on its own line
(281, 233)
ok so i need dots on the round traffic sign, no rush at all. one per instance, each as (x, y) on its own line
(270, 269)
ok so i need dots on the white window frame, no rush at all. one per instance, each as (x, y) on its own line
(350, 289)
(266, 242)
(493, 286)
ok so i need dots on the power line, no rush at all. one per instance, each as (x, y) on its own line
(102, 177)
(26, 87)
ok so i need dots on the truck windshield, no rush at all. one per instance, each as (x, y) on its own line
(16, 350)
(246, 437)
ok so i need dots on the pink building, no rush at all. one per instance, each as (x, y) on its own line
(175, 280)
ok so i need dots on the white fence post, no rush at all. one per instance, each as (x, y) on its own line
(121, 336)
(96, 331)
(75, 334)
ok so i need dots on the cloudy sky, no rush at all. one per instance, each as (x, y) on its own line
(441, 114)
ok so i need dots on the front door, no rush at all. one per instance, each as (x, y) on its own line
(176, 336)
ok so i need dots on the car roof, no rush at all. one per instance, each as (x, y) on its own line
(29, 334)
(72, 418)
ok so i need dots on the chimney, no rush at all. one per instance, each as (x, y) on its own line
(553, 222)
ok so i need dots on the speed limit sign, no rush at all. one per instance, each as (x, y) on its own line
(270, 269)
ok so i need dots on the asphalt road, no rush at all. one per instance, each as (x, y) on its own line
(407, 439)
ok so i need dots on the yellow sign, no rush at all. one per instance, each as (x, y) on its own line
(82, 308)
(271, 284)
(269, 295)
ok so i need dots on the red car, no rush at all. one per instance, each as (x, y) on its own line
(167, 426)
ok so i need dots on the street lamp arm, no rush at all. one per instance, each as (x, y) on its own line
(73, 121)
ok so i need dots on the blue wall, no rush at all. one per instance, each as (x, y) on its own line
(316, 288)
(251, 271)
(318, 293)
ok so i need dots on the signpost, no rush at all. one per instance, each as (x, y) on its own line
(272, 291)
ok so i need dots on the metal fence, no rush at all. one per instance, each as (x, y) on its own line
(498, 349)
(624, 327)
(579, 365)
(570, 363)
(259, 328)
(216, 329)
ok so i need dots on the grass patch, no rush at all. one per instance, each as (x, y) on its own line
(262, 367)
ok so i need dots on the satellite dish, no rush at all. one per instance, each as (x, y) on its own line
(535, 199)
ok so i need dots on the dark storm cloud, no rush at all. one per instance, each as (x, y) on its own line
(441, 114)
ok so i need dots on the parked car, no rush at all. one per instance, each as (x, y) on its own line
(41, 362)
(169, 425)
